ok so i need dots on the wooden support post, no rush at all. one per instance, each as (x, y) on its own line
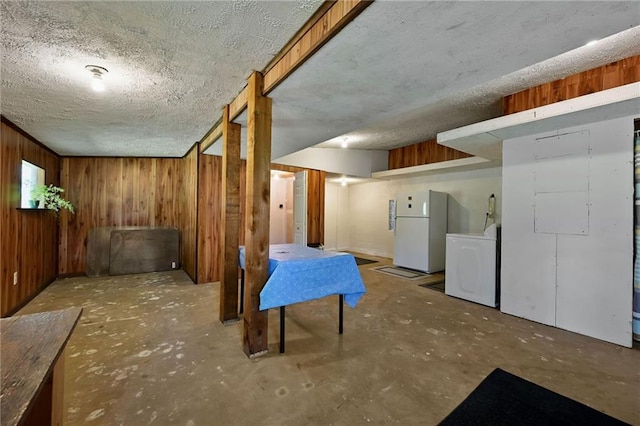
(257, 216)
(230, 218)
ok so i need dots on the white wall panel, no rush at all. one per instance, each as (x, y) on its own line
(352, 162)
(583, 280)
(591, 298)
(330, 216)
(342, 229)
(595, 274)
(336, 217)
(528, 262)
(562, 144)
(368, 221)
(562, 212)
(562, 174)
(561, 184)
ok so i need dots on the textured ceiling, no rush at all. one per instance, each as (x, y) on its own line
(398, 74)
(172, 66)
(404, 71)
(463, 106)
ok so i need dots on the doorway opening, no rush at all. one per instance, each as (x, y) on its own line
(281, 208)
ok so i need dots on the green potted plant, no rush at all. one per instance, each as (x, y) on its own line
(50, 196)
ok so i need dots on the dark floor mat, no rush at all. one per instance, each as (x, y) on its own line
(505, 399)
(398, 272)
(361, 261)
(438, 286)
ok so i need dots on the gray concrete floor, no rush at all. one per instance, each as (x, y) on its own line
(149, 349)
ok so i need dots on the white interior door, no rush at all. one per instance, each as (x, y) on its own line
(300, 208)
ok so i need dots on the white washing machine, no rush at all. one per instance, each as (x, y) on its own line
(471, 267)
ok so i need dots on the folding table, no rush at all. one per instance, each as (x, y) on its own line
(298, 273)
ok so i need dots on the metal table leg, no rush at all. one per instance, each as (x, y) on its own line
(340, 313)
(241, 290)
(340, 320)
(281, 329)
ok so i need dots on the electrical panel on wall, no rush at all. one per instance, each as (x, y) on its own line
(561, 176)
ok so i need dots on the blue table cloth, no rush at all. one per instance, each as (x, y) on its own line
(298, 273)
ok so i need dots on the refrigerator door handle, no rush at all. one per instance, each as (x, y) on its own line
(393, 215)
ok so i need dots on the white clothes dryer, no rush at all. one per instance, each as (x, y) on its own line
(471, 267)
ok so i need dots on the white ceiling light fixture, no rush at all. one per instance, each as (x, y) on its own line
(591, 43)
(343, 181)
(344, 143)
(97, 84)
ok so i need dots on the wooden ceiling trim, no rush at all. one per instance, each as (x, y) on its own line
(324, 7)
(239, 104)
(615, 74)
(212, 135)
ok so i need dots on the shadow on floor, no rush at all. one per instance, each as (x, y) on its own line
(438, 286)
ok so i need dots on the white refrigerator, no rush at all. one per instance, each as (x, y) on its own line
(420, 231)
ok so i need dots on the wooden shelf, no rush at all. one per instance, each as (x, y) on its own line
(459, 165)
(484, 139)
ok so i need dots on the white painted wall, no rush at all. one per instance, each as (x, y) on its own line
(352, 162)
(575, 280)
(336, 219)
(369, 202)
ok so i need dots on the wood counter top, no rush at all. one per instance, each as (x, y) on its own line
(31, 346)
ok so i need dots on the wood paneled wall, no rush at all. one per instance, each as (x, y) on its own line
(315, 207)
(189, 212)
(29, 238)
(126, 192)
(422, 153)
(184, 193)
(615, 74)
(209, 209)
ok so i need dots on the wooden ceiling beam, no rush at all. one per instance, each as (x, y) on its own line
(324, 29)
(238, 105)
(324, 7)
(211, 136)
(330, 18)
